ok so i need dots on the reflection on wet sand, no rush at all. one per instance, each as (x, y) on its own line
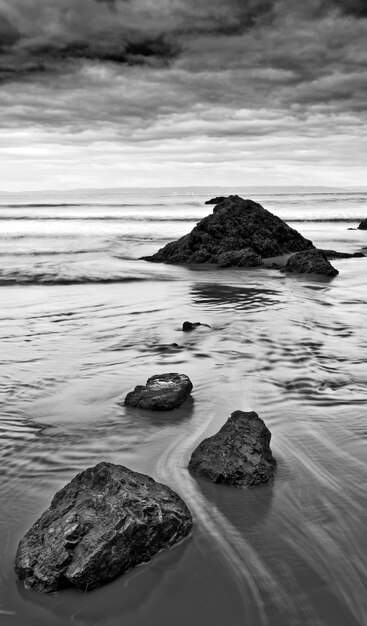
(213, 295)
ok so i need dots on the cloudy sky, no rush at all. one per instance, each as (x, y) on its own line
(99, 93)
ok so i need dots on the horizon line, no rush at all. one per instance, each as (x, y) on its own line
(214, 187)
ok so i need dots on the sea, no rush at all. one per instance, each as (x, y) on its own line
(83, 320)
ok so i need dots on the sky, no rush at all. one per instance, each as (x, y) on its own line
(126, 93)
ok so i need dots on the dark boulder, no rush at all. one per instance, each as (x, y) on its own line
(363, 224)
(162, 392)
(188, 326)
(216, 200)
(333, 254)
(310, 262)
(238, 455)
(104, 522)
(234, 225)
(240, 258)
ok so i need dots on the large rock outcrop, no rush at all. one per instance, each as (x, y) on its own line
(363, 224)
(163, 392)
(104, 522)
(310, 262)
(238, 455)
(236, 225)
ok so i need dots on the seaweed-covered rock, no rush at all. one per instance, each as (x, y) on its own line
(310, 262)
(216, 200)
(234, 225)
(163, 392)
(238, 455)
(240, 258)
(104, 522)
(363, 224)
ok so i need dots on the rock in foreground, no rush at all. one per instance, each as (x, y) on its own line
(238, 455)
(162, 392)
(236, 225)
(363, 224)
(310, 262)
(104, 522)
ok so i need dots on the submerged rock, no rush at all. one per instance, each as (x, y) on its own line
(240, 258)
(216, 200)
(238, 455)
(310, 262)
(333, 254)
(363, 224)
(104, 522)
(188, 326)
(162, 392)
(234, 226)
(168, 347)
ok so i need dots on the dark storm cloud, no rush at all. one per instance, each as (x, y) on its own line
(40, 37)
(357, 8)
(152, 74)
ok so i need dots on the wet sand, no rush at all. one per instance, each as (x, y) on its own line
(291, 348)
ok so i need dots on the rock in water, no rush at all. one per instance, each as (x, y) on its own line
(239, 454)
(235, 225)
(363, 224)
(104, 522)
(188, 326)
(310, 262)
(333, 254)
(162, 392)
(216, 200)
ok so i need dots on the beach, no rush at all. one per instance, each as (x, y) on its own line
(83, 320)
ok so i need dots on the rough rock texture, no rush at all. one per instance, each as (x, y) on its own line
(235, 224)
(238, 455)
(363, 224)
(310, 262)
(333, 254)
(104, 522)
(162, 392)
(240, 258)
(216, 200)
(188, 326)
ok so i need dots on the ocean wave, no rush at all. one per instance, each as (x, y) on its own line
(33, 253)
(49, 279)
(346, 220)
(50, 205)
(96, 218)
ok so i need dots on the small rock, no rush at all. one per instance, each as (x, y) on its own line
(240, 258)
(162, 392)
(169, 347)
(363, 224)
(238, 455)
(333, 254)
(187, 326)
(216, 200)
(310, 262)
(104, 522)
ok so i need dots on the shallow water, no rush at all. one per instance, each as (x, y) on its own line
(291, 348)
